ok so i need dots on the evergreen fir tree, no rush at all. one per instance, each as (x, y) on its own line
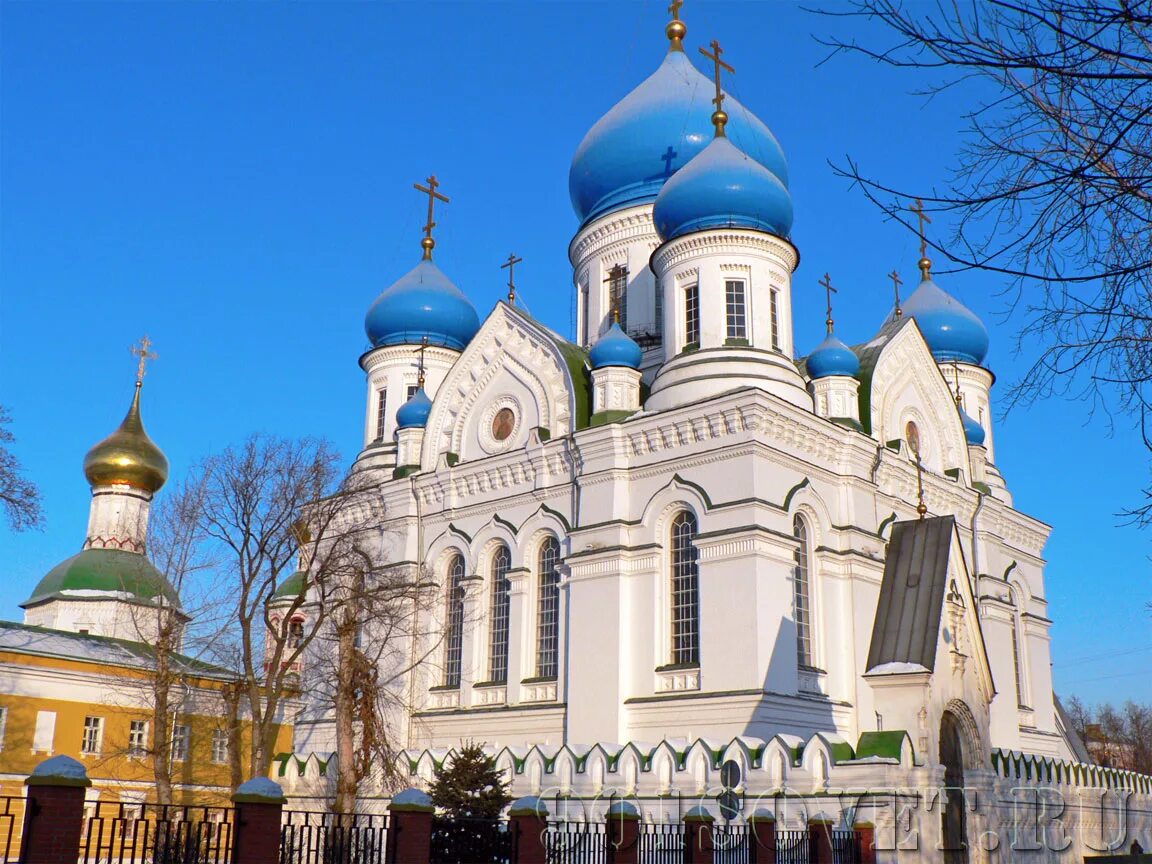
(471, 787)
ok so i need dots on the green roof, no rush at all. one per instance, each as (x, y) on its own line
(887, 744)
(291, 587)
(98, 573)
(576, 359)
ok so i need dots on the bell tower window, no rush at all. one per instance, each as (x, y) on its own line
(774, 314)
(692, 315)
(734, 306)
(618, 295)
(381, 412)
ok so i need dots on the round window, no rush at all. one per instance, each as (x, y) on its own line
(503, 424)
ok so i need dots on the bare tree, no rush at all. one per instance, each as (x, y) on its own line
(1118, 736)
(1052, 188)
(19, 496)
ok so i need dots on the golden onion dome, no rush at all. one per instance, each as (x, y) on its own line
(127, 457)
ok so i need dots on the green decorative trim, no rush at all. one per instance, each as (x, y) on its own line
(676, 478)
(675, 667)
(885, 524)
(848, 422)
(1008, 570)
(452, 529)
(737, 343)
(451, 459)
(792, 492)
(690, 348)
(403, 471)
(113, 571)
(501, 521)
(490, 684)
(888, 744)
(602, 418)
(544, 433)
(443, 688)
(954, 473)
(895, 444)
(576, 359)
(544, 508)
(539, 679)
(981, 487)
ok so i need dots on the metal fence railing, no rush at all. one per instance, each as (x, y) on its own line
(328, 838)
(124, 833)
(472, 841)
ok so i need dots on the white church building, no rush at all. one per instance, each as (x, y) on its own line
(672, 542)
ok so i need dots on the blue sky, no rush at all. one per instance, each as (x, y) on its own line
(235, 180)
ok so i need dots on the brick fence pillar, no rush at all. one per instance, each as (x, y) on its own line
(256, 825)
(762, 842)
(622, 823)
(410, 827)
(54, 812)
(699, 842)
(820, 840)
(528, 819)
(866, 839)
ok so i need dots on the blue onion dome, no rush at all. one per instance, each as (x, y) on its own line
(722, 188)
(615, 348)
(951, 329)
(414, 413)
(654, 131)
(423, 303)
(832, 357)
(973, 431)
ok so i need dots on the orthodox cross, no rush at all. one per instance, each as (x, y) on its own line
(666, 157)
(145, 355)
(896, 283)
(420, 376)
(921, 507)
(826, 282)
(616, 287)
(918, 209)
(433, 196)
(956, 378)
(719, 118)
(510, 264)
(675, 9)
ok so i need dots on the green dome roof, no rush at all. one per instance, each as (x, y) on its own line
(291, 587)
(97, 572)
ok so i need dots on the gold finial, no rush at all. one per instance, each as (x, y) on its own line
(719, 117)
(433, 196)
(921, 507)
(145, 355)
(956, 378)
(510, 264)
(826, 282)
(420, 372)
(925, 263)
(896, 283)
(676, 30)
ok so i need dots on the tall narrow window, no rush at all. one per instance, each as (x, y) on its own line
(618, 295)
(548, 610)
(44, 737)
(734, 306)
(219, 745)
(498, 643)
(658, 314)
(1017, 659)
(692, 315)
(295, 634)
(454, 622)
(137, 737)
(801, 597)
(3, 723)
(584, 316)
(381, 413)
(774, 313)
(93, 735)
(685, 590)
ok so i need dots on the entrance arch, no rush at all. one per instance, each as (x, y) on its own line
(953, 818)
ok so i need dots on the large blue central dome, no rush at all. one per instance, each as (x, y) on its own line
(422, 304)
(654, 131)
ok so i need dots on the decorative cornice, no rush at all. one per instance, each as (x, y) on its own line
(622, 227)
(722, 241)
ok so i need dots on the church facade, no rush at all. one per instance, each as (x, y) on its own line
(671, 542)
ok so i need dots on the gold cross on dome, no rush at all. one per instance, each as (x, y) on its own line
(675, 9)
(826, 282)
(510, 264)
(420, 372)
(918, 209)
(719, 118)
(896, 283)
(145, 355)
(433, 196)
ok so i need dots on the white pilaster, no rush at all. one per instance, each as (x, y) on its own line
(615, 388)
(837, 397)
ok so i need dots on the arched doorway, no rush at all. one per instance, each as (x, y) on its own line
(953, 819)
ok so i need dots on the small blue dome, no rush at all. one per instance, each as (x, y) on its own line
(722, 188)
(832, 357)
(615, 348)
(414, 413)
(422, 303)
(973, 431)
(951, 329)
(654, 131)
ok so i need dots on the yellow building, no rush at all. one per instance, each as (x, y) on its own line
(78, 677)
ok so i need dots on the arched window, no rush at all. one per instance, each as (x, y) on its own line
(295, 633)
(685, 574)
(498, 641)
(454, 621)
(548, 610)
(1017, 654)
(801, 594)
